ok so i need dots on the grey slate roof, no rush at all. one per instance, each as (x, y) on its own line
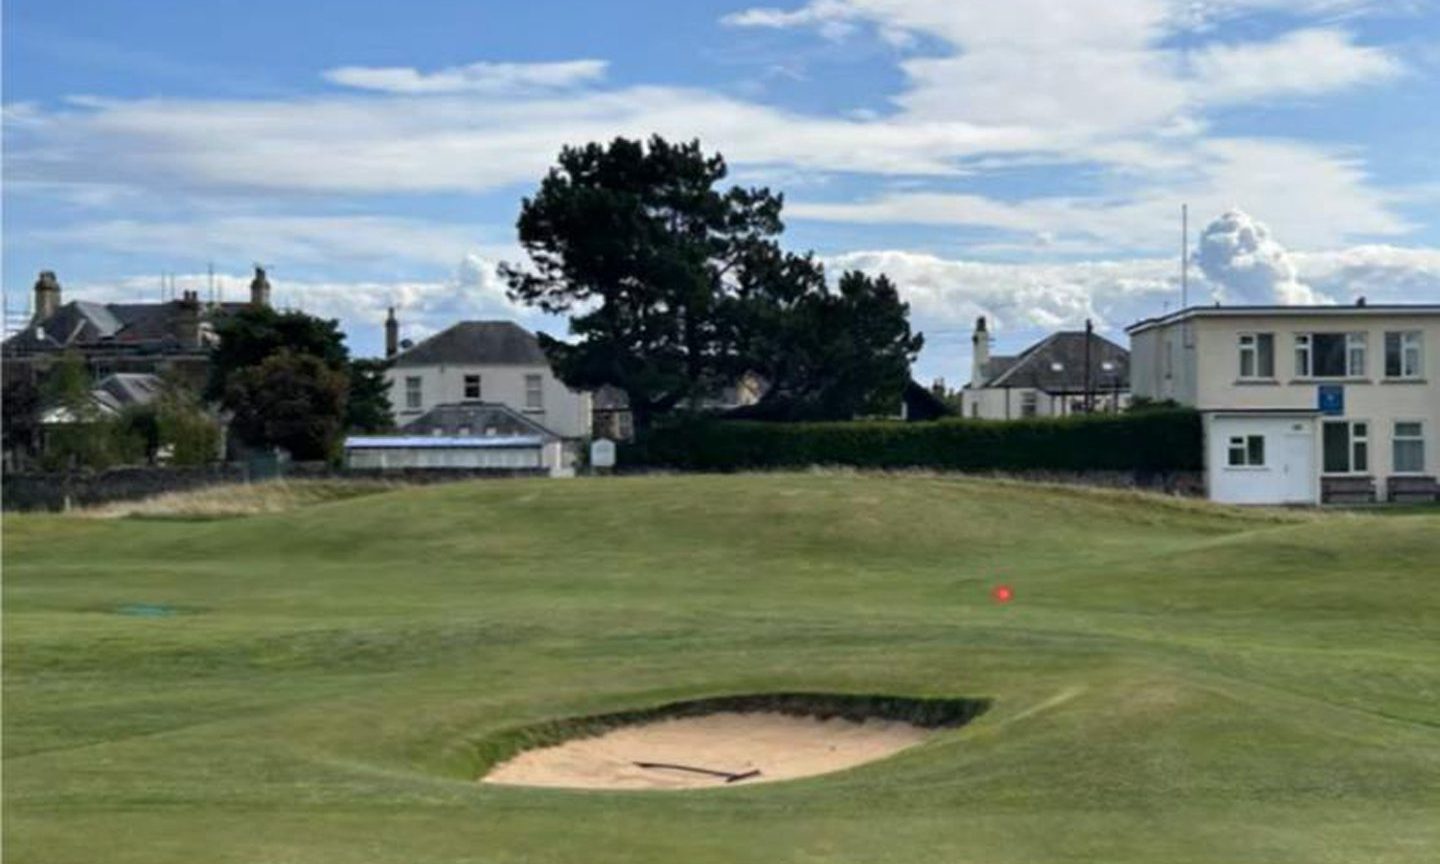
(478, 343)
(82, 323)
(129, 388)
(1056, 364)
(475, 420)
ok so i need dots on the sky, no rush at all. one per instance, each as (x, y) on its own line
(1025, 160)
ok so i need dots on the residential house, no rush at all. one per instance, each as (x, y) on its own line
(611, 405)
(168, 337)
(1070, 372)
(1303, 404)
(494, 362)
(473, 435)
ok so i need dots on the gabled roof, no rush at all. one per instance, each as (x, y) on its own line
(476, 343)
(84, 323)
(475, 419)
(1056, 364)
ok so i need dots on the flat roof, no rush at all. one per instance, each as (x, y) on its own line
(1290, 311)
(440, 442)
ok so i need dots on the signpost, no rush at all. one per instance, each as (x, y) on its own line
(602, 453)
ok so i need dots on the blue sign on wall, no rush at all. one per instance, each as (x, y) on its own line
(1332, 399)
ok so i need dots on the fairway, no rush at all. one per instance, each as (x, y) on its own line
(1170, 682)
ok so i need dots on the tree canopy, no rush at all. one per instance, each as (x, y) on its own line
(290, 400)
(675, 287)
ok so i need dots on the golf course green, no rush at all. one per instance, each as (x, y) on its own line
(1169, 682)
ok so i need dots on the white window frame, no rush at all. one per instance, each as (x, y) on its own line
(1396, 439)
(414, 392)
(1353, 445)
(465, 388)
(534, 395)
(1249, 345)
(1411, 344)
(1354, 359)
(1029, 403)
(1244, 445)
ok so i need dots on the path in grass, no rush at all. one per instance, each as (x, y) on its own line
(1172, 682)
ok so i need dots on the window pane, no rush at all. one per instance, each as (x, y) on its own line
(1255, 448)
(1409, 455)
(1237, 456)
(1247, 363)
(1265, 368)
(1407, 430)
(1337, 447)
(1392, 355)
(1329, 355)
(1362, 456)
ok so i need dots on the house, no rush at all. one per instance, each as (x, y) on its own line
(611, 416)
(109, 397)
(171, 336)
(496, 362)
(1070, 372)
(1303, 404)
(473, 435)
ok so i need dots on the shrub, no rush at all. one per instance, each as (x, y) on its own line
(1151, 441)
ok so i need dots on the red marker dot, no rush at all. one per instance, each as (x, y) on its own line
(1002, 593)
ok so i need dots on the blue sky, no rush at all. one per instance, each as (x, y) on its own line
(1024, 160)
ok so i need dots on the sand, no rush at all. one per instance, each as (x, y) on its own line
(779, 746)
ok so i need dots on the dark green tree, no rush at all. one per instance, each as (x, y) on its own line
(826, 353)
(640, 247)
(368, 408)
(20, 416)
(250, 335)
(290, 400)
(86, 437)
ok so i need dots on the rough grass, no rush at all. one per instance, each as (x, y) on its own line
(240, 499)
(1172, 682)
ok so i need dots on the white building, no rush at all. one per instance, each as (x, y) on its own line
(1303, 403)
(496, 362)
(1070, 372)
(475, 436)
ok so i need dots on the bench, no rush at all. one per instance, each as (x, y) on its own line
(1412, 490)
(1347, 490)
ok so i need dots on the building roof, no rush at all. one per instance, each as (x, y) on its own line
(85, 324)
(476, 420)
(1056, 364)
(1192, 312)
(129, 388)
(441, 442)
(477, 343)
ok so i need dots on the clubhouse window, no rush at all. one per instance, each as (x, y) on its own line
(1346, 445)
(1028, 403)
(1247, 451)
(472, 388)
(412, 393)
(1408, 443)
(1402, 354)
(1257, 355)
(1330, 355)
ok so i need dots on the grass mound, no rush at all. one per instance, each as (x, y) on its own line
(1171, 681)
(240, 499)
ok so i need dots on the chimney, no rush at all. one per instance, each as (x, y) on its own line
(47, 295)
(1360, 301)
(980, 354)
(259, 288)
(392, 334)
(185, 325)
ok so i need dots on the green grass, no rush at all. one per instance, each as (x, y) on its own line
(1172, 683)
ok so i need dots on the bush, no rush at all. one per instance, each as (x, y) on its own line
(1156, 440)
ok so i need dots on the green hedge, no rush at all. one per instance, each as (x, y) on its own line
(1160, 440)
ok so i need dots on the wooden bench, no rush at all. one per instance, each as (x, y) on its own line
(1347, 490)
(1412, 490)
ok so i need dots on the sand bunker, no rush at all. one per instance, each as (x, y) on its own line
(727, 748)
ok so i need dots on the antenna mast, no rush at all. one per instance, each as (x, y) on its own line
(1184, 256)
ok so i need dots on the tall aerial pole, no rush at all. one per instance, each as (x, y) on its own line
(1184, 255)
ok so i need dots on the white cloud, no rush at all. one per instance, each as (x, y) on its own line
(1302, 62)
(476, 77)
(354, 240)
(1246, 265)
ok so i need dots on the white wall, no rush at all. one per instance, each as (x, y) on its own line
(990, 403)
(565, 412)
